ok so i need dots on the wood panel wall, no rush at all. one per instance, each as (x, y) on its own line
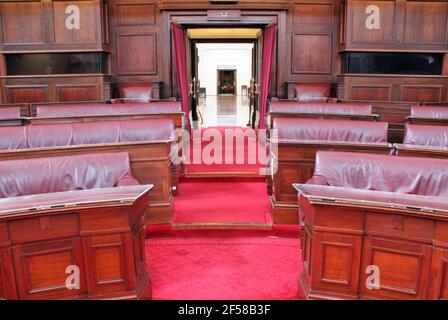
(311, 36)
(313, 33)
(137, 51)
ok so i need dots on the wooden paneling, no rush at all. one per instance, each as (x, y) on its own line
(22, 22)
(403, 25)
(412, 260)
(56, 89)
(314, 13)
(395, 88)
(374, 93)
(359, 31)
(422, 93)
(134, 14)
(426, 22)
(26, 94)
(78, 93)
(137, 53)
(313, 32)
(339, 258)
(41, 25)
(41, 268)
(311, 53)
(89, 21)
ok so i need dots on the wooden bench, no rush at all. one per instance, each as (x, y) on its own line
(294, 154)
(99, 231)
(435, 115)
(148, 142)
(320, 110)
(13, 114)
(363, 213)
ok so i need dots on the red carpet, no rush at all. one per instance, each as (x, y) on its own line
(223, 268)
(240, 157)
(229, 201)
(165, 230)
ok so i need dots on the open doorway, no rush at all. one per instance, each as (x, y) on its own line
(226, 82)
(224, 70)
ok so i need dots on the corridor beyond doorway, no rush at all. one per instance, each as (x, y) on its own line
(224, 111)
(225, 71)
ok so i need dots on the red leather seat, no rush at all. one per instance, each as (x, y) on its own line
(312, 91)
(57, 174)
(331, 130)
(13, 137)
(79, 133)
(404, 175)
(321, 107)
(141, 91)
(10, 113)
(108, 109)
(422, 135)
(435, 112)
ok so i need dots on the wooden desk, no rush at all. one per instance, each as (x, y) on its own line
(410, 150)
(428, 121)
(347, 230)
(150, 164)
(101, 231)
(12, 122)
(278, 114)
(295, 164)
(177, 117)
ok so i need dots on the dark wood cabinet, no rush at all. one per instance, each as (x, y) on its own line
(46, 25)
(396, 25)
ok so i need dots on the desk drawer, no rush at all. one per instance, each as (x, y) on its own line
(42, 228)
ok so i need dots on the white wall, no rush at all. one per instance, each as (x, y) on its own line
(213, 55)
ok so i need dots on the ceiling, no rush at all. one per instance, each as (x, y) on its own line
(224, 33)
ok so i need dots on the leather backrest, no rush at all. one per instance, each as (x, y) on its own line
(13, 138)
(435, 112)
(321, 107)
(109, 109)
(56, 174)
(81, 133)
(330, 130)
(422, 135)
(312, 91)
(10, 113)
(135, 90)
(407, 175)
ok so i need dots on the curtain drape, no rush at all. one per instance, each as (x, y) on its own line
(180, 57)
(267, 57)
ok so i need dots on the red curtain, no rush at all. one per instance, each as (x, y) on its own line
(268, 55)
(181, 57)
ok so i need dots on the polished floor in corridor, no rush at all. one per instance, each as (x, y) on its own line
(224, 111)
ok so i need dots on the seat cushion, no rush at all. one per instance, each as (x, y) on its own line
(321, 107)
(135, 90)
(13, 138)
(56, 174)
(312, 91)
(10, 113)
(84, 133)
(330, 130)
(422, 135)
(407, 175)
(435, 112)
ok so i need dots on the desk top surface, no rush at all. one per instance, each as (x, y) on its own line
(10, 207)
(339, 196)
